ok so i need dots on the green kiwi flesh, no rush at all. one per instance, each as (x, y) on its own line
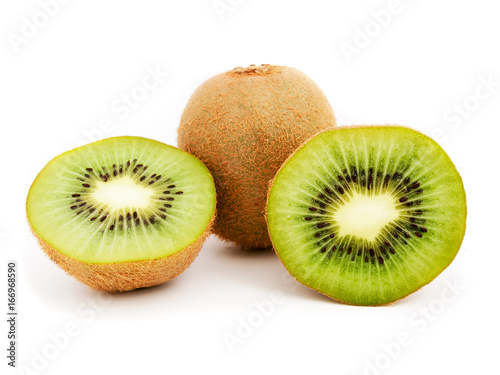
(110, 211)
(367, 215)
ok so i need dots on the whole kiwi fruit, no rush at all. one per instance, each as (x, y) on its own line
(243, 124)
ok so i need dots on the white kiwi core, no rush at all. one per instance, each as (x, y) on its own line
(364, 216)
(122, 193)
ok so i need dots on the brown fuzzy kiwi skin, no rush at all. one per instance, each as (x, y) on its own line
(242, 125)
(271, 183)
(125, 276)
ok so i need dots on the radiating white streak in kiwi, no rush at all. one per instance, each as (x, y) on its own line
(404, 263)
(325, 172)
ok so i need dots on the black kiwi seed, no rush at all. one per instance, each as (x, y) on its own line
(403, 199)
(313, 209)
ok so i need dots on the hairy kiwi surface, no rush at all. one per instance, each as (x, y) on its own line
(367, 215)
(122, 213)
(243, 124)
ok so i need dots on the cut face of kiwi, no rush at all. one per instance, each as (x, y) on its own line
(122, 213)
(367, 215)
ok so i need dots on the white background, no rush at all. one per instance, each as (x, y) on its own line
(424, 66)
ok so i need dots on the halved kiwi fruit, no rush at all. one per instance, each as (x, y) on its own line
(122, 213)
(367, 215)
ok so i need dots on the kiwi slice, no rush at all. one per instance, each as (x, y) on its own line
(367, 215)
(122, 213)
